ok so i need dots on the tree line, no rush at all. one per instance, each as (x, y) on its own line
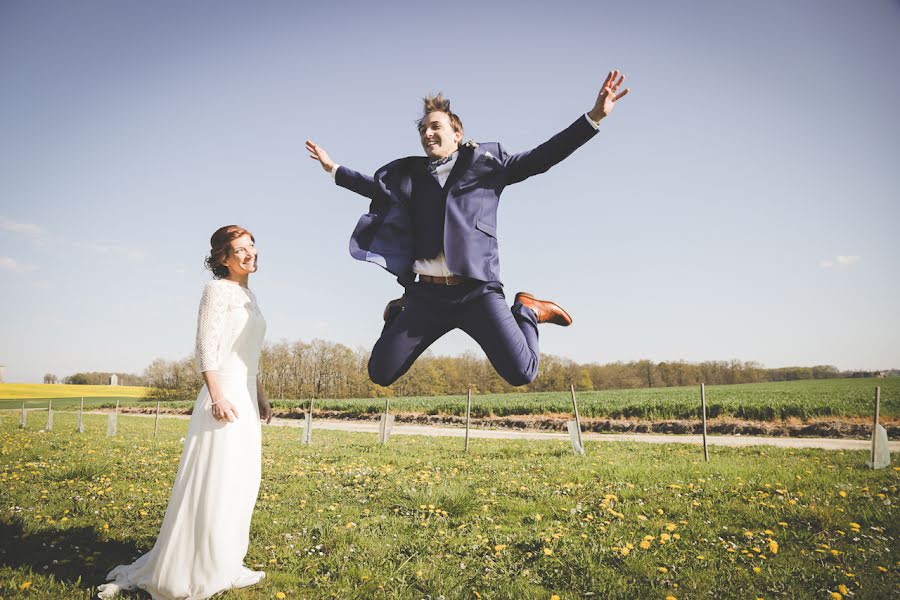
(323, 369)
(96, 378)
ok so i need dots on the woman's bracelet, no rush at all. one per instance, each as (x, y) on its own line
(214, 402)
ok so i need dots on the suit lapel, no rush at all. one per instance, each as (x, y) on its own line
(460, 166)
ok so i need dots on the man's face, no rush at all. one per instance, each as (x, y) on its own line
(437, 135)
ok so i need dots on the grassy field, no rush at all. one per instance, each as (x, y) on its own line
(802, 400)
(348, 518)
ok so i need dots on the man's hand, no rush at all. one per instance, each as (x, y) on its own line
(319, 154)
(607, 98)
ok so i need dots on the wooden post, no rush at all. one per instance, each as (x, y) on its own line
(81, 417)
(49, 426)
(156, 423)
(385, 426)
(307, 426)
(577, 416)
(875, 421)
(468, 415)
(703, 411)
(112, 421)
(23, 420)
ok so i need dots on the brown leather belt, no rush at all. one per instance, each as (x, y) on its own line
(448, 280)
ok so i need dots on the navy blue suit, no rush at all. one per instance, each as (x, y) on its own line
(411, 216)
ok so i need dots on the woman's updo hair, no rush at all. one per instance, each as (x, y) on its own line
(220, 248)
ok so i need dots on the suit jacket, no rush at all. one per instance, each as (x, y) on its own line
(385, 234)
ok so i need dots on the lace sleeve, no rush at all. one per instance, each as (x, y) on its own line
(210, 323)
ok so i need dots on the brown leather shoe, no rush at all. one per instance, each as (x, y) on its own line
(393, 308)
(545, 310)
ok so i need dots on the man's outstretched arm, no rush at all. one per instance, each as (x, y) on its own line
(538, 160)
(350, 179)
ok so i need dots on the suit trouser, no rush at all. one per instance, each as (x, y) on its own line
(509, 337)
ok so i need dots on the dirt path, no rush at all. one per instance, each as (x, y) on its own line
(507, 434)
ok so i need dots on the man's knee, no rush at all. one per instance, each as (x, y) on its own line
(521, 376)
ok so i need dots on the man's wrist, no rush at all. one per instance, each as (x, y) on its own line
(595, 119)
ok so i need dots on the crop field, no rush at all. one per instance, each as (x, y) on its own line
(759, 401)
(418, 518)
(24, 391)
(837, 398)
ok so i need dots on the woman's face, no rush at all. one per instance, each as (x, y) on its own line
(241, 260)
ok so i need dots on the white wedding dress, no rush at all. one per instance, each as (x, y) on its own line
(206, 530)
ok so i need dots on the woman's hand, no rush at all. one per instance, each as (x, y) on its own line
(224, 410)
(265, 410)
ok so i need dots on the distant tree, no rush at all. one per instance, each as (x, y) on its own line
(50, 378)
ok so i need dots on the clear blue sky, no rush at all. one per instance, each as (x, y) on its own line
(742, 202)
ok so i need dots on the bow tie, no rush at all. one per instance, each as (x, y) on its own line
(434, 163)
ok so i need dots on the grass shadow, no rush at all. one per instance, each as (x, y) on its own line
(73, 555)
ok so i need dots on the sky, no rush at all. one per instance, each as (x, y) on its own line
(743, 201)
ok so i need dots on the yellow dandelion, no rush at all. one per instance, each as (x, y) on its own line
(25, 585)
(757, 570)
(882, 569)
(280, 595)
(671, 598)
(835, 596)
(773, 547)
(644, 545)
(671, 527)
(554, 597)
(548, 551)
(662, 570)
(843, 589)
(664, 537)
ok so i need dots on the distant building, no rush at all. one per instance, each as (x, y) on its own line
(113, 379)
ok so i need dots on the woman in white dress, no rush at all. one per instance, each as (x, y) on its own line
(206, 530)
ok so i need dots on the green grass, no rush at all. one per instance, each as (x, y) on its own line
(348, 518)
(759, 401)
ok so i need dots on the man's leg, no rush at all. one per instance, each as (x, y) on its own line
(406, 337)
(509, 337)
